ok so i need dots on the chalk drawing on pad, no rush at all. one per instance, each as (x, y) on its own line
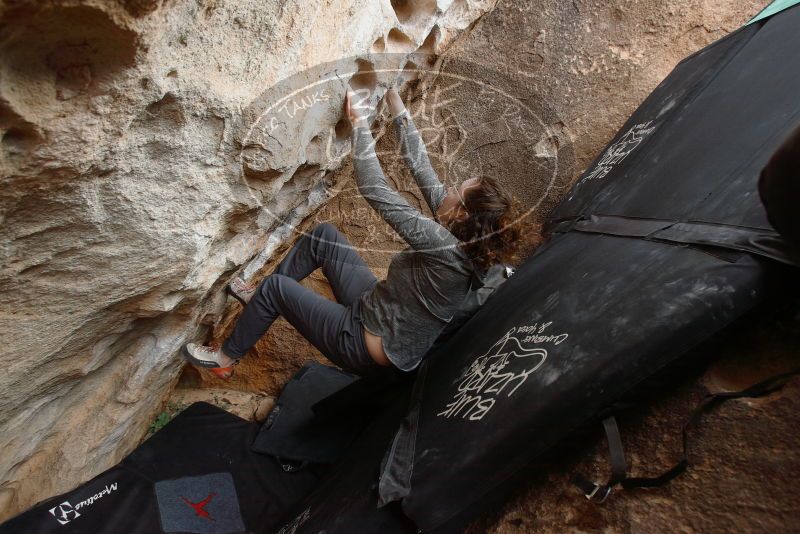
(501, 370)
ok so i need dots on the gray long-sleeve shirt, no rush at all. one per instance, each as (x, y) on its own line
(427, 281)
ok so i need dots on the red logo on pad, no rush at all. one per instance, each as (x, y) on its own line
(199, 507)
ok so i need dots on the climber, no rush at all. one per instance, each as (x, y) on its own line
(389, 324)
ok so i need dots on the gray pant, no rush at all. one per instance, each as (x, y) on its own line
(334, 328)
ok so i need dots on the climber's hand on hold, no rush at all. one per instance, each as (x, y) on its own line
(357, 108)
(395, 103)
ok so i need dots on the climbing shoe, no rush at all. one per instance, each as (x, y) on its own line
(241, 291)
(208, 358)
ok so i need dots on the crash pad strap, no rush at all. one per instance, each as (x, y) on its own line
(758, 241)
(597, 492)
(397, 464)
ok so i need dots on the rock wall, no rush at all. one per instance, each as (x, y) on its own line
(124, 131)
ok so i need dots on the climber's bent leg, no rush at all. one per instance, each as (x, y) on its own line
(328, 248)
(334, 329)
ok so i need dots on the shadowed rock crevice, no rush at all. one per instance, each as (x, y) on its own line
(139, 8)
(60, 52)
(167, 113)
(343, 129)
(365, 79)
(378, 46)
(411, 11)
(20, 139)
(410, 71)
(399, 42)
(428, 46)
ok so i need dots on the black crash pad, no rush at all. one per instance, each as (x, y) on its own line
(197, 474)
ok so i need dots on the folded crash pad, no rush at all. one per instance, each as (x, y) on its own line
(293, 434)
(197, 474)
(346, 500)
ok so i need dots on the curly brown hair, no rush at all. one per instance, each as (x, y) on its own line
(488, 234)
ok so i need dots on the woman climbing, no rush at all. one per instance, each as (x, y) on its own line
(375, 325)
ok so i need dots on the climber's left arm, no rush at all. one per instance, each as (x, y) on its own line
(419, 231)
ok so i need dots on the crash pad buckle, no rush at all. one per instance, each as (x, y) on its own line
(599, 493)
